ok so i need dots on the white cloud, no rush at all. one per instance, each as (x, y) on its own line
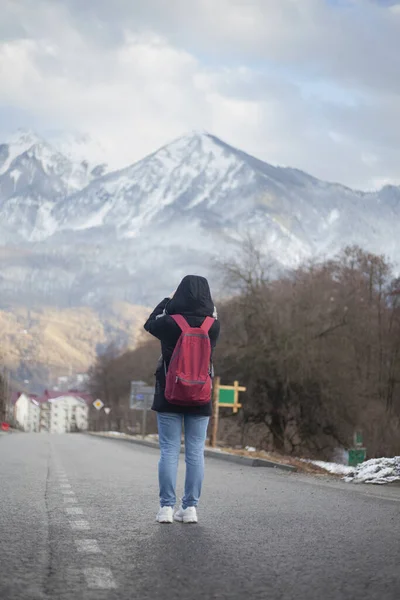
(299, 82)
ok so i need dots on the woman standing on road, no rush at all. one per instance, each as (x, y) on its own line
(188, 330)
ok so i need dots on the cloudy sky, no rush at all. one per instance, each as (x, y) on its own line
(313, 84)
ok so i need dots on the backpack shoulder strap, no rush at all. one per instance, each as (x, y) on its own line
(207, 324)
(181, 322)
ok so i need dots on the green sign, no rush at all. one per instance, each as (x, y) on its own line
(357, 456)
(226, 396)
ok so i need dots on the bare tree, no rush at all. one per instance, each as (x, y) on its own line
(317, 350)
(110, 379)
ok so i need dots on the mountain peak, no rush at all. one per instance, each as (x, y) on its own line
(196, 133)
(26, 158)
(17, 144)
(191, 147)
(196, 136)
(25, 138)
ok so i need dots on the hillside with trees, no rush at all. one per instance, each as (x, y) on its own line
(318, 350)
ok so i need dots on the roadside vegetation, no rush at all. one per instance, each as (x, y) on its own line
(317, 349)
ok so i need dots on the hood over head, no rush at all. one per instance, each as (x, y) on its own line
(192, 297)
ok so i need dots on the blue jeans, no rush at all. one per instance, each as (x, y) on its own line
(169, 433)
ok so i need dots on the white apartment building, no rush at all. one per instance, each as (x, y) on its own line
(61, 412)
(67, 414)
(27, 413)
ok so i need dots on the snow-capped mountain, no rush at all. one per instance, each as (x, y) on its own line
(33, 177)
(128, 234)
(200, 180)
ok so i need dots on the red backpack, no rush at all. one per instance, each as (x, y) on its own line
(188, 381)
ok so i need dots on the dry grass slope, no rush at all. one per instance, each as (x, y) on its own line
(60, 340)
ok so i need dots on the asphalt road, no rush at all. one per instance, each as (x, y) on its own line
(77, 521)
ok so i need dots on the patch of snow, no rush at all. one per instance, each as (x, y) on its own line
(333, 216)
(377, 470)
(96, 219)
(250, 449)
(15, 174)
(334, 468)
(45, 224)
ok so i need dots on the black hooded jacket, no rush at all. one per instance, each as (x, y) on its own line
(193, 300)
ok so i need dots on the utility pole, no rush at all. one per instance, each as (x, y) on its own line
(7, 395)
(2, 396)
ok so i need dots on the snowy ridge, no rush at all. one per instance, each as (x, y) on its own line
(82, 149)
(126, 232)
(33, 177)
(189, 172)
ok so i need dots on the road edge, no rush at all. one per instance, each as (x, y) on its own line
(209, 453)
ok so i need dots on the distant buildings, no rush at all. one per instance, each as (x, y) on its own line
(27, 413)
(53, 412)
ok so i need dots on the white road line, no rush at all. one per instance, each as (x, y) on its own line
(65, 485)
(80, 525)
(88, 546)
(74, 510)
(98, 578)
(70, 500)
(67, 492)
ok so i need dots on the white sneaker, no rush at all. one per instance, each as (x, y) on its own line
(187, 515)
(165, 514)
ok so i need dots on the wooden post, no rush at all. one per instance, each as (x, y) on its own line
(215, 412)
(236, 396)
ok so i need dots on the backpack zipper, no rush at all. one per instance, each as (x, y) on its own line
(190, 382)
